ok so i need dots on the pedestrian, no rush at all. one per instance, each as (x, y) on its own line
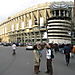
(37, 47)
(14, 48)
(56, 47)
(67, 50)
(49, 57)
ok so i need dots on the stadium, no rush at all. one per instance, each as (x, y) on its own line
(50, 22)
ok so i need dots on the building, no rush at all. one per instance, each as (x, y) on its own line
(50, 22)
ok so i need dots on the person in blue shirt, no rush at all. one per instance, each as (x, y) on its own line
(67, 50)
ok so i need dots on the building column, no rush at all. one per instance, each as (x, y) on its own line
(24, 37)
(38, 21)
(20, 38)
(67, 14)
(32, 18)
(19, 21)
(45, 22)
(64, 13)
(54, 13)
(25, 20)
(59, 12)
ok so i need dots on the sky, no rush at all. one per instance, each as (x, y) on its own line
(11, 7)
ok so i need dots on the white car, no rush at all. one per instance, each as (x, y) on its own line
(29, 47)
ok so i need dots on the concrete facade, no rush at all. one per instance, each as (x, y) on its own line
(38, 23)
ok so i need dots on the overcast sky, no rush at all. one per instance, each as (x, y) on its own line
(10, 7)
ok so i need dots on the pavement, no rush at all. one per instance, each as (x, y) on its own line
(22, 63)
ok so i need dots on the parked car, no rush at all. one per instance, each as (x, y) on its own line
(29, 47)
(6, 44)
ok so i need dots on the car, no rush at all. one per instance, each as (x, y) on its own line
(29, 47)
(6, 44)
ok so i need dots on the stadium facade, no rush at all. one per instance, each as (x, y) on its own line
(51, 22)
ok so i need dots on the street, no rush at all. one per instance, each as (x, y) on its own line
(22, 63)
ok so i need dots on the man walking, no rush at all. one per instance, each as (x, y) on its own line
(14, 48)
(67, 50)
(49, 57)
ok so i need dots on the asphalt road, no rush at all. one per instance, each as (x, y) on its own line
(22, 63)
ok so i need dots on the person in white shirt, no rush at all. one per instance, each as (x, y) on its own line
(49, 57)
(14, 48)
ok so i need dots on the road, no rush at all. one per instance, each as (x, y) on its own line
(22, 63)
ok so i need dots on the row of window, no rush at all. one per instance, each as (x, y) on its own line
(61, 13)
